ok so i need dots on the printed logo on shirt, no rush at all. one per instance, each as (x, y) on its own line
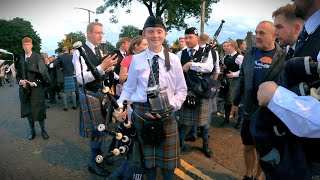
(263, 63)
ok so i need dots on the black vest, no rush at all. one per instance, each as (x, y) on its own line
(231, 64)
(311, 47)
(94, 85)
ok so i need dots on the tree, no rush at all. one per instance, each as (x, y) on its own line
(176, 46)
(69, 39)
(13, 31)
(174, 12)
(129, 31)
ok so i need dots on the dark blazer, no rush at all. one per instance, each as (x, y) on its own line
(65, 62)
(32, 99)
(244, 89)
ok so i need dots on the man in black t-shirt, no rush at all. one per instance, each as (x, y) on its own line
(260, 64)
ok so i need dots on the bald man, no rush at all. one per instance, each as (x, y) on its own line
(261, 63)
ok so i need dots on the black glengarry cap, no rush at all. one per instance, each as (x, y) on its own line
(154, 22)
(191, 30)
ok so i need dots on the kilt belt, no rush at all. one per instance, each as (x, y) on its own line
(166, 155)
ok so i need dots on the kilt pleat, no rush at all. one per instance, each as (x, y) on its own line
(69, 84)
(167, 154)
(199, 116)
(228, 98)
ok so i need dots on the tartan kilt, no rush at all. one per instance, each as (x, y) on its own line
(167, 154)
(228, 97)
(69, 84)
(199, 116)
(85, 123)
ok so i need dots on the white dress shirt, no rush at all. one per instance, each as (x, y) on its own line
(138, 75)
(88, 77)
(301, 114)
(203, 67)
(238, 60)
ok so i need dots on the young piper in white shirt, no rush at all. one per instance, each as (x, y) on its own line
(164, 155)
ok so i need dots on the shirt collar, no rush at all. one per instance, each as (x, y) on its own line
(91, 46)
(122, 52)
(293, 47)
(313, 22)
(150, 54)
(234, 53)
(26, 56)
(196, 48)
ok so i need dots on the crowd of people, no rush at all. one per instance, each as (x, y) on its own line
(258, 86)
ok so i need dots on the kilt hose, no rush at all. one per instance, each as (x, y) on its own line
(228, 96)
(69, 84)
(167, 154)
(199, 116)
(94, 105)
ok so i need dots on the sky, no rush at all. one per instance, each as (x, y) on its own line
(52, 19)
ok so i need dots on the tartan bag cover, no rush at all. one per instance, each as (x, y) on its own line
(94, 104)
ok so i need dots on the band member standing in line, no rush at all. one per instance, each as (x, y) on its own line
(94, 37)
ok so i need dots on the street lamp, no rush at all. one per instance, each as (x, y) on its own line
(89, 11)
(203, 9)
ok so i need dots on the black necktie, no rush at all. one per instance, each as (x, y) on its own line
(302, 38)
(289, 54)
(155, 70)
(191, 51)
(98, 53)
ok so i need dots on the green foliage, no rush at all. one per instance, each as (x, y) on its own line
(129, 31)
(173, 11)
(13, 31)
(69, 39)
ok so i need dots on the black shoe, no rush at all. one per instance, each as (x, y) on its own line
(192, 139)
(32, 135)
(44, 134)
(98, 171)
(74, 107)
(247, 178)
(207, 151)
(65, 109)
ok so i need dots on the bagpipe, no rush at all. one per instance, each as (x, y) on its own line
(124, 133)
(301, 75)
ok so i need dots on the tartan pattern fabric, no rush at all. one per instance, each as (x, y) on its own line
(94, 100)
(69, 84)
(199, 116)
(228, 97)
(167, 154)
